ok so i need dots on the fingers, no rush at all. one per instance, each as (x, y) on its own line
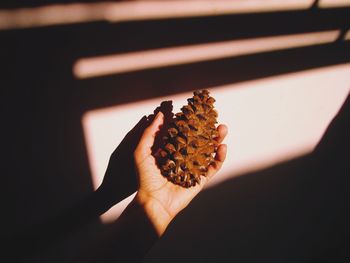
(222, 130)
(221, 154)
(146, 142)
(220, 157)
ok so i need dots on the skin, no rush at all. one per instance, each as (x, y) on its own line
(130, 236)
(155, 205)
(160, 199)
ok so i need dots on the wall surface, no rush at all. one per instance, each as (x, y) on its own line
(77, 78)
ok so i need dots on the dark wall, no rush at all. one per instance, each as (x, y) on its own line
(297, 217)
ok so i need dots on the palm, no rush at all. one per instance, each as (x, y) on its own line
(172, 197)
(153, 184)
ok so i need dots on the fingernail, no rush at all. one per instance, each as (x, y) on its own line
(159, 114)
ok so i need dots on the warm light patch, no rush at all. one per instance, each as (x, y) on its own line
(138, 10)
(347, 35)
(144, 10)
(61, 14)
(270, 120)
(121, 63)
(333, 3)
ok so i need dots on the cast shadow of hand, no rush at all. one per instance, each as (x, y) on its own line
(119, 182)
(120, 179)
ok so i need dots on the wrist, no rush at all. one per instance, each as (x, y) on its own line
(155, 211)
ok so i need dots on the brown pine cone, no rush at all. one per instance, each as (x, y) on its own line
(190, 144)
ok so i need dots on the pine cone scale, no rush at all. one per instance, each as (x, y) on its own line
(190, 145)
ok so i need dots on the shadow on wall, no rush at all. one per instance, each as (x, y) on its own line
(119, 182)
(296, 211)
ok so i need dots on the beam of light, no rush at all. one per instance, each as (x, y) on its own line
(178, 9)
(51, 15)
(347, 35)
(137, 10)
(121, 63)
(270, 120)
(333, 3)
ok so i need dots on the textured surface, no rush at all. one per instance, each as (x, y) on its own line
(190, 142)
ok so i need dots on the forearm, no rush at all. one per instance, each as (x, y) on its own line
(158, 216)
(134, 232)
(132, 235)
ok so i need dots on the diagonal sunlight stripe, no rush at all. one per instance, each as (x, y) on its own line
(347, 35)
(333, 3)
(270, 120)
(61, 14)
(187, 8)
(138, 10)
(120, 63)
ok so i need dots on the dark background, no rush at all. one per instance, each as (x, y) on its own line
(297, 211)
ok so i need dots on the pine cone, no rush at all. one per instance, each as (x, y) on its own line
(190, 143)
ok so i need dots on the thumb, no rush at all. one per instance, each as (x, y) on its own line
(143, 149)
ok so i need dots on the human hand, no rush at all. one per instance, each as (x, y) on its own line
(161, 199)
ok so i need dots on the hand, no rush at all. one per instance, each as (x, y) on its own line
(161, 199)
